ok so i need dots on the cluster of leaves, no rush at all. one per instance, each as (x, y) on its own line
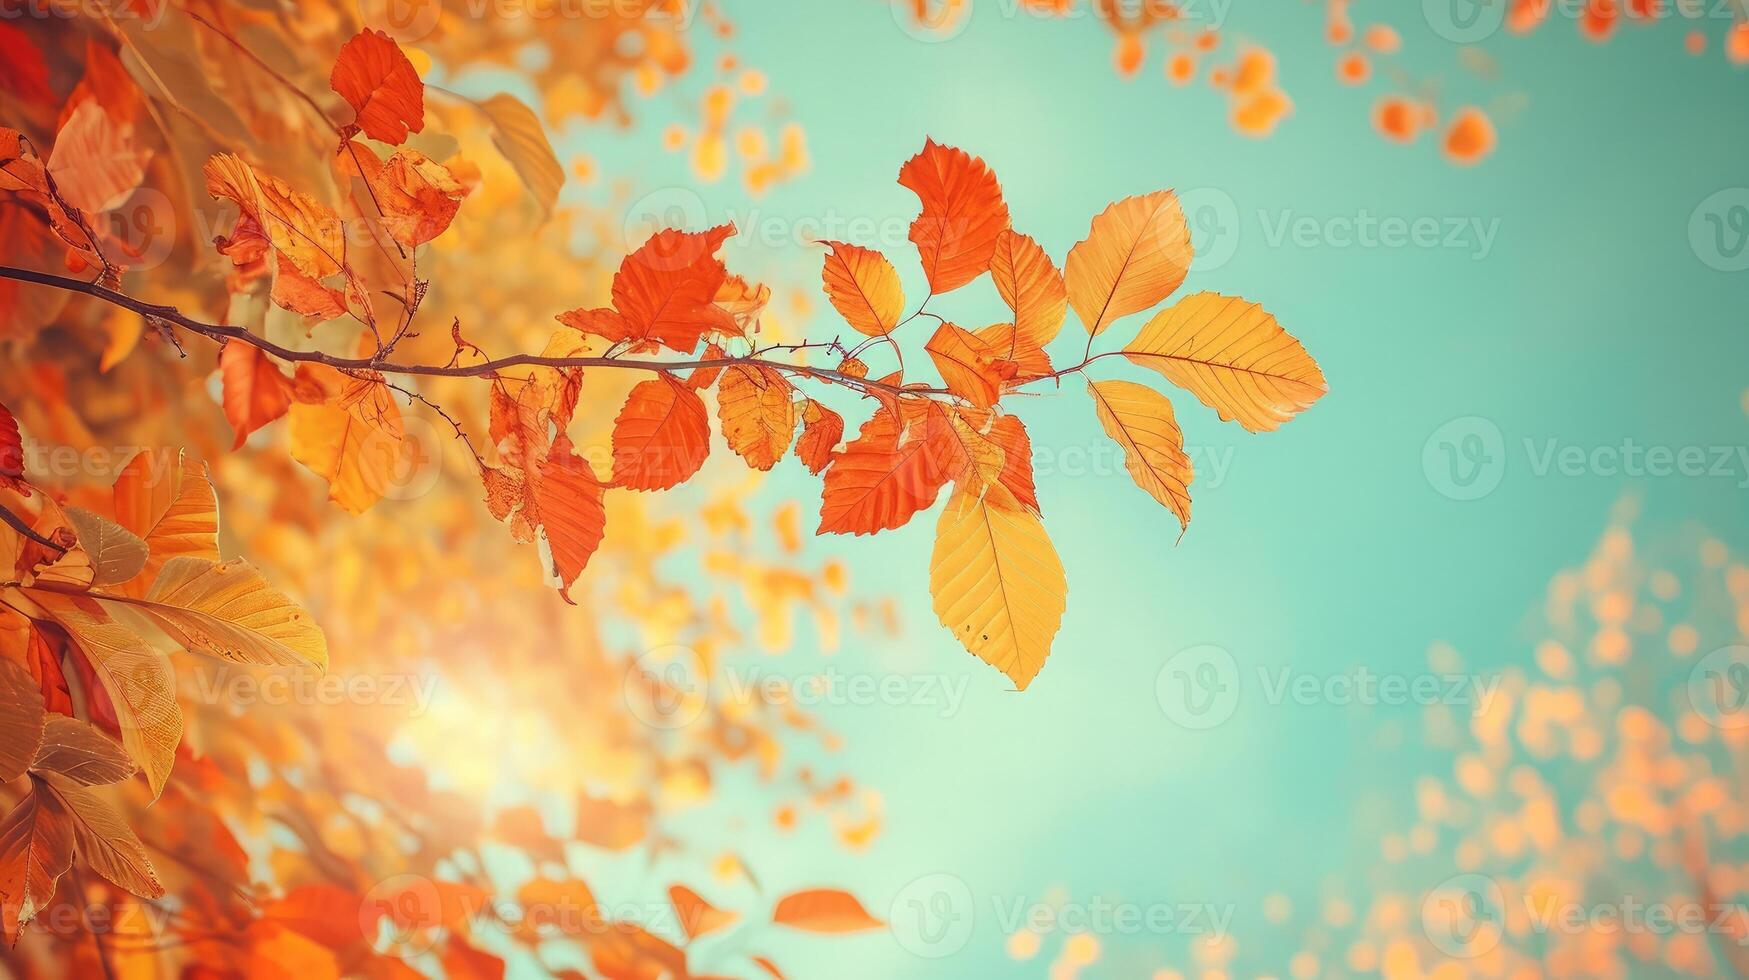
(353, 271)
(83, 597)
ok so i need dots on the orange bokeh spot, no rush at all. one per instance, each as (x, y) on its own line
(1353, 68)
(1180, 69)
(1471, 136)
(1397, 118)
(1383, 39)
(1737, 43)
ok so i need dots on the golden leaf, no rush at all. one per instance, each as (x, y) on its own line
(1134, 256)
(997, 583)
(1140, 420)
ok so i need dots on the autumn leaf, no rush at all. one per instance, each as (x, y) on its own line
(21, 721)
(997, 582)
(757, 413)
(1136, 253)
(116, 554)
(1031, 286)
(96, 162)
(228, 610)
(256, 391)
(102, 837)
(417, 197)
(168, 502)
(136, 678)
(517, 133)
(571, 511)
(822, 429)
(374, 76)
(11, 453)
(697, 916)
(863, 287)
(80, 752)
(1008, 433)
(966, 363)
(36, 849)
(963, 213)
(823, 910)
(1140, 419)
(884, 476)
(1233, 357)
(349, 433)
(1014, 358)
(666, 290)
(661, 437)
(306, 231)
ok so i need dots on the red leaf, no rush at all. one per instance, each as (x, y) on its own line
(963, 213)
(374, 76)
(11, 452)
(571, 511)
(666, 290)
(256, 391)
(882, 478)
(22, 69)
(661, 436)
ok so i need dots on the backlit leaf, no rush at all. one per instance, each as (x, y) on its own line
(963, 213)
(757, 410)
(863, 287)
(374, 76)
(1233, 357)
(1134, 256)
(997, 582)
(661, 437)
(1140, 419)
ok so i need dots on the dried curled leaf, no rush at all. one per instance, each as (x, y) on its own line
(1233, 357)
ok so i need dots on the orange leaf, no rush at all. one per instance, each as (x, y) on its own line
(1233, 357)
(418, 197)
(697, 916)
(881, 479)
(351, 435)
(11, 453)
(1031, 286)
(963, 212)
(823, 910)
(666, 290)
(97, 163)
(821, 430)
(1140, 420)
(571, 511)
(757, 413)
(374, 76)
(966, 363)
(36, 848)
(301, 228)
(256, 390)
(661, 436)
(863, 287)
(1135, 254)
(1016, 358)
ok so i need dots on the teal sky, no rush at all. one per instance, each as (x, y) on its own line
(1585, 318)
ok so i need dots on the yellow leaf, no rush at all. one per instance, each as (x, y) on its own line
(1233, 357)
(1140, 420)
(36, 849)
(21, 720)
(1031, 286)
(171, 506)
(303, 229)
(354, 439)
(863, 287)
(227, 610)
(80, 752)
(997, 582)
(1134, 256)
(518, 135)
(117, 554)
(136, 677)
(103, 838)
(757, 414)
